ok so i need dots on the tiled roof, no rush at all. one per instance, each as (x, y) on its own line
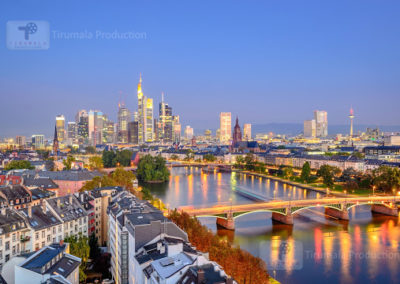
(69, 207)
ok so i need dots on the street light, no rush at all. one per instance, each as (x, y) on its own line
(373, 190)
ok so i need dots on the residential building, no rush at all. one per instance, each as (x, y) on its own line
(51, 264)
(392, 140)
(16, 196)
(69, 210)
(310, 128)
(20, 141)
(38, 141)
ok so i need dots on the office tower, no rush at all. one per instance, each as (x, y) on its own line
(177, 129)
(135, 116)
(165, 123)
(20, 141)
(247, 131)
(310, 128)
(237, 133)
(321, 120)
(82, 121)
(95, 126)
(60, 125)
(124, 118)
(188, 132)
(72, 130)
(133, 132)
(225, 127)
(145, 116)
(38, 141)
(351, 116)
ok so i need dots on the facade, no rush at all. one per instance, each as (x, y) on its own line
(95, 127)
(177, 129)
(60, 126)
(165, 121)
(72, 132)
(321, 121)
(16, 196)
(247, 131)
(123, 120)
(20, 141)
(133, 129)
(108, 131)
(73, 216)
(310, 128)
(82, 122)
(225, 127)
(145, 116)
(189, 132)
(38, 141)
(392, 140)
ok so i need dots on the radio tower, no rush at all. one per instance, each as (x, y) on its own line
(351, 116)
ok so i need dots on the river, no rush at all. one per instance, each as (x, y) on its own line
(316, 249)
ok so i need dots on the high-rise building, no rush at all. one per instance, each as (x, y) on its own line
(177, 129)
(133, 132)
(189, 132)
(351, 116)
(82, 124)
(60, 125)
(165, 122)
(38, 141)
(225, 127)
(310, 128)
(207, 134)
(95, 126)
(321, 120)
(237, 133)
(20, 141)
(145, 116)
(124, 118)
(72, 131)
(247, 131)
(108, 130)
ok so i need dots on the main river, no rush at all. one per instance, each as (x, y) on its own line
(316, 249)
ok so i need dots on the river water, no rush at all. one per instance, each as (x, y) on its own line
(316, 249)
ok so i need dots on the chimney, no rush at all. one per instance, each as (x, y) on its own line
(200, 276)
(43, 204)
(29, 211)
(3, 211)
(70, 199)
(229, 280)
(58, 203)
(82, 197)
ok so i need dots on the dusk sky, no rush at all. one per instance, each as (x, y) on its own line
(265, 61)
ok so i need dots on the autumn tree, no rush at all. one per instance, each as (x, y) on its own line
(95, 163)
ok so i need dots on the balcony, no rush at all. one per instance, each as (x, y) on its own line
(25, 239)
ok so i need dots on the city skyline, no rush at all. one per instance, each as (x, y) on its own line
(278, 61)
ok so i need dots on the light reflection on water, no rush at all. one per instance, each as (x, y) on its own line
(364, 250)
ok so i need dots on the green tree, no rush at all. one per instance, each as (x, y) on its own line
(387, 179)
(249, 162)
(90, 150)
(79, 246)
(174, 157)
(109, 159)
(94, 247)
(327, 173)
(96, 163)
(306, 172)
(98, 181)
(124, 158)
(152, 169)
(287, 172)
(209, 158)
(123, 178)
(239, 161)
(19, 164)
(68, 162)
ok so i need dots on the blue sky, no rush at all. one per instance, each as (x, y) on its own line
(265, 61)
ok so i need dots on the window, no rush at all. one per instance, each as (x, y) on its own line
(37, 235)
(48, 238)
(7, 245)
(43, 234)
(42, 244)
(54, 240)
(1, 254)
(59, 229)
(76, 227)
(37, 246)
(14, 237)
(54, 230)
(13, 250)
(1, 242)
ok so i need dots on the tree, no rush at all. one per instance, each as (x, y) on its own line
(306, 172)
(68, 162)
(123, 178)
(79, 246)
(348, 174)
(328, 173)
(123, 158)
(239, 161)
(95, 163)
(152, 169)
(94, 247)
(209, 158)
(174, 157)
(97, 182)
(387, 179)
(19, 164)
(287, 172)
(249, 162)
(90, 150)
(109, 159)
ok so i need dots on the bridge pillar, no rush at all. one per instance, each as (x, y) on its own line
(284, 219)
(382, 209)
(228, 223)
(342, 214)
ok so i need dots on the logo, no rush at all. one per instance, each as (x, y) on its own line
(28, 35)
(282, 254)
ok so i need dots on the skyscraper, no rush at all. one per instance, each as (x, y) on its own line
(108, 130)
(82, 121)
(60, 126)
(247, 131)
(38, 141)
(188, 132)
(20, 141)
(165, 122)
(133, 132)
(177, 129)
(72, 132)
(351, 116)
(321, 120)
(95, 126)
(225, 127)
(145, 116)
(123, 120)
(309, 128)
(237, 133)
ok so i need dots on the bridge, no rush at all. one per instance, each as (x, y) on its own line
(283, 210)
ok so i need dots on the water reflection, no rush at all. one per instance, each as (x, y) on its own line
(363, 250)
